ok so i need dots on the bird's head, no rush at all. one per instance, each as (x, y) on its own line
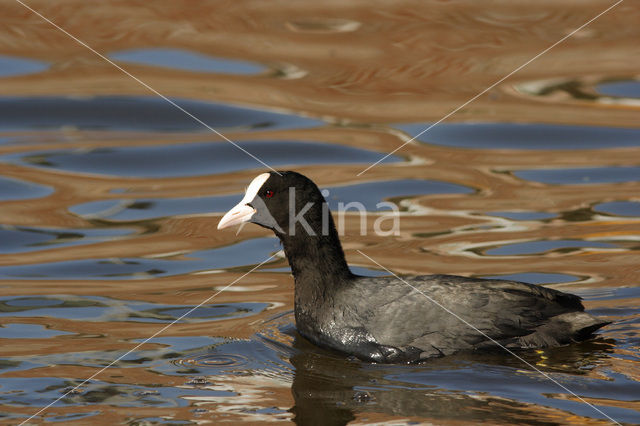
(285, 202)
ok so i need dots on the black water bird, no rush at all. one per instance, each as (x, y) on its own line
(384, 319)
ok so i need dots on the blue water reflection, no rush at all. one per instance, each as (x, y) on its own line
(15, 189)
(12, 66)
(185, 60)
(28, 331)
(524, 136)
(623, 89)
(578, 176)
(620, 208)
(137, 113)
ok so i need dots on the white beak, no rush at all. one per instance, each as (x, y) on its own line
(242, 212)
(239, 214)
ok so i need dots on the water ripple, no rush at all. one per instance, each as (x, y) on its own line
(194, 159)
(105, 309)
(214, 361)
(533, 247)
(19, 239)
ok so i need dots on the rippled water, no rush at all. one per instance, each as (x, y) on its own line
(109, 197)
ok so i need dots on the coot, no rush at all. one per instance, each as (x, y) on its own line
(384, 319)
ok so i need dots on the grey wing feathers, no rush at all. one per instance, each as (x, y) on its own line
(500, 309)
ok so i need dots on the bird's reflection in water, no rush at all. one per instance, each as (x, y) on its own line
(330, 389)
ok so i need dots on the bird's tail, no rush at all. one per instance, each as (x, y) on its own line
(584, 325)
(563, 329)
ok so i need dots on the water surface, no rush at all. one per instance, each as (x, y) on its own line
(110, 196)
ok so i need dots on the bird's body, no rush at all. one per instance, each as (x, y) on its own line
(383, 319)
(388, 319)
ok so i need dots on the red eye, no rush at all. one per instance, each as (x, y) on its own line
(268, 193)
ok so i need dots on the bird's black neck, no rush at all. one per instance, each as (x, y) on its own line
(319, 270)
(316, 258)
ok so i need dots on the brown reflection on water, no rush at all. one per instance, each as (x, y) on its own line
(361, 69)
(406, 62)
